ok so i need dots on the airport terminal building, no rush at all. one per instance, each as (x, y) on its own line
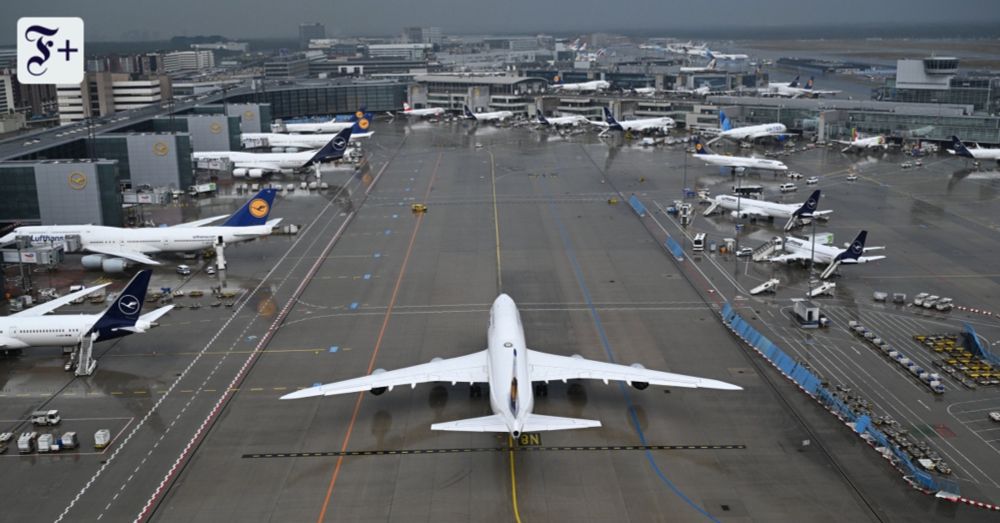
(61, 192)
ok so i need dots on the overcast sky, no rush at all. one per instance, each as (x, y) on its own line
(110, 19)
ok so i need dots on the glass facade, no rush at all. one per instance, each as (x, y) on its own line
(332, 99)
(19, 192)
(113, 148)
(111, 199)
(981, 93)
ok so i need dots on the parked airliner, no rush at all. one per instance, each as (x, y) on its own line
(804, 249)
(737, 164)
(256, 165)
(745, 208)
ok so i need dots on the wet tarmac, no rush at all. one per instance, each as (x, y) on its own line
(200, 434)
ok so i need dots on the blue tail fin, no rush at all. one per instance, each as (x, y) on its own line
(363, 124)
(541, 118)
(125, 310)
(468, 112)
(809, 206)
(809, 84)
(334, 149)
(255, 211)
(724, 122)
(362, 112)
(960, 148)
(795, 82)
(856, 249)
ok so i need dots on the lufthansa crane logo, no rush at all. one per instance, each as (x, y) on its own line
(359, 115)
(857, 248)
(248, 115)
(259, 208)
(363, 123)
(160, 149)
(128, 305)
(77, 180)
(698, 146)
(339, 143)
(215, 128)
(811, 203)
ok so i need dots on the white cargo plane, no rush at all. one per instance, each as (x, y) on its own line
(114, 248)
(510, 369)
(710, 66)
(750, 132)
(795, 214)
(976, 153)
(561, 121)
(256, 165)
(644, 91)
(735, 163)
(495, 116)
(861, 143)
(659, 124)
(359, 122)
(802, 249)
(793, 90)
(429, 111)
(32, 328)
(580, 87)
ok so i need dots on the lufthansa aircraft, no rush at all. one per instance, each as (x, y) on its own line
(735, 163)
(804, 249)
(256, 165)
(510, 369)
(114, 248)
(760, 209)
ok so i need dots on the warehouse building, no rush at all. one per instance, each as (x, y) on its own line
(54, 192)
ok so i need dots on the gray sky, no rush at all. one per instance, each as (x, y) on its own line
(110, 19)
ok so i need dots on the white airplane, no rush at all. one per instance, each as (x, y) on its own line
(256, 165)
(591, 86)
(732, 56)
(793, 90)
(114, 248)
(430, 111)
(644, 91)
(359, 122)
(750, 132)
(495, 116)
(859, 143)
(659, 124)
(801, 249)
(561, 121)
(735, 163)
(976, 153)
(795, 214)
(710, 66)
(510, 369)
(292, 142)
(32, 328)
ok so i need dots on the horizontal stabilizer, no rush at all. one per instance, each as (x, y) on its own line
(492, 423)
(540, 423)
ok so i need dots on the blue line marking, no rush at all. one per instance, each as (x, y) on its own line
(578, 273)
(354, 305)
(334, 348)
(377, 255)
(394, 216)
(367, 276)
(388, 232)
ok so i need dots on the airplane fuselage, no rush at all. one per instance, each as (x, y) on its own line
(824, 254)
(301, 141)
(318, 127)
(742, 162)
(771, 209)
(147, 240)
(272, 161)
(511, 393)
(753, 132)
(45, 331)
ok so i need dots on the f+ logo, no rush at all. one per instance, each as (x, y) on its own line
(128, 305)
(50, 50)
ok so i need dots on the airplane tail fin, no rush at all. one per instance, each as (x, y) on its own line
(805, 211)
(468, 112)
(541, 118)
(854, 134)
(724, 122)
(335, 148)
(809, 84)
(127, 307)
(960, 148)
(406, 107)
(362, 125)
(795, 82)
(856, 249)
(254, 212)
(610, 119)
(362, 112)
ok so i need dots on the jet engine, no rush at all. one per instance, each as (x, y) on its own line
(639, 385)
(378, 390)
(103, 263)
(256, 173)
(738, 214)
(239, 173)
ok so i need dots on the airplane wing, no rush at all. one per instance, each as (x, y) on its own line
(128, 254)
(861, 259)
(199, 223)
(788, 258)
(49, 306)
(465, 369)
(550, 367)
